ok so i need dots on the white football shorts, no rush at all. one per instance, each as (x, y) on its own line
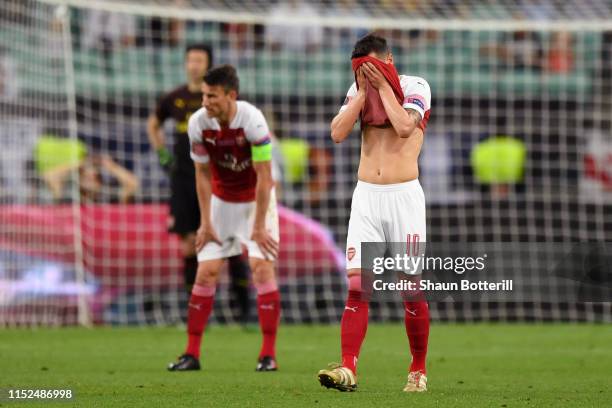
(386, 213)
(233, 223)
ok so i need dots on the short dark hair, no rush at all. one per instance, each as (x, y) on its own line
(223, 75)
(370, 43)
(201, 47)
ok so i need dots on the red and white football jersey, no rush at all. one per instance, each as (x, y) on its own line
(228, 150)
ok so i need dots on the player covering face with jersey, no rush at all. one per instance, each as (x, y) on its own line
(388, 203)
(231, 147)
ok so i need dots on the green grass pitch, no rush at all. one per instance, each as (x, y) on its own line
(472, 365)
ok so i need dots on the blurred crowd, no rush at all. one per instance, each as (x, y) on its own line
(521, 50)
(463, 9)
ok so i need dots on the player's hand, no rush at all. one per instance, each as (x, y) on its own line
(165, 158)
(265, 242)
(362, 82)
(204, 235)
(106, 161)
(376, 78)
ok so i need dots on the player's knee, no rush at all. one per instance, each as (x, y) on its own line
(355, 281)
(359, 285)
(207, 275)
(263, 271)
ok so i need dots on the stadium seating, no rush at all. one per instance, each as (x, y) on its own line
(462, 71)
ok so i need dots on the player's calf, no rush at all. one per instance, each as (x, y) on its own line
(199, 310)
(268, 311)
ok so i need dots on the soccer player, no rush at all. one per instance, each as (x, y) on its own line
(388, 202)
(232, 151)
(179, 105)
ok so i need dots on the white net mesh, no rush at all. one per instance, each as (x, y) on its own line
(85, 77)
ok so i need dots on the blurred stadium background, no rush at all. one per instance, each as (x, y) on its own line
(519, 145)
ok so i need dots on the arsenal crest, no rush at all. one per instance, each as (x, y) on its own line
(350, 253)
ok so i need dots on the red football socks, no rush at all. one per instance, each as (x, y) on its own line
(268, 309)
(200, 307)
(417, 328)
(354, 323)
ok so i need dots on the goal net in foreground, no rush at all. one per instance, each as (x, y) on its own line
(518, 148)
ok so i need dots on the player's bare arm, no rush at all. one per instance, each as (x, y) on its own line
(206, 233)
(404, 121)
(263, 189)
(155, 133)
(343, 123)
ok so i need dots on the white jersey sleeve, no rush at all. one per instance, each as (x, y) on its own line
(417, 94)
(352, 92)
(198, 151)
(256, 128)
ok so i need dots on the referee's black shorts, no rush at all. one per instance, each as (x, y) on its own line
(184, 207)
